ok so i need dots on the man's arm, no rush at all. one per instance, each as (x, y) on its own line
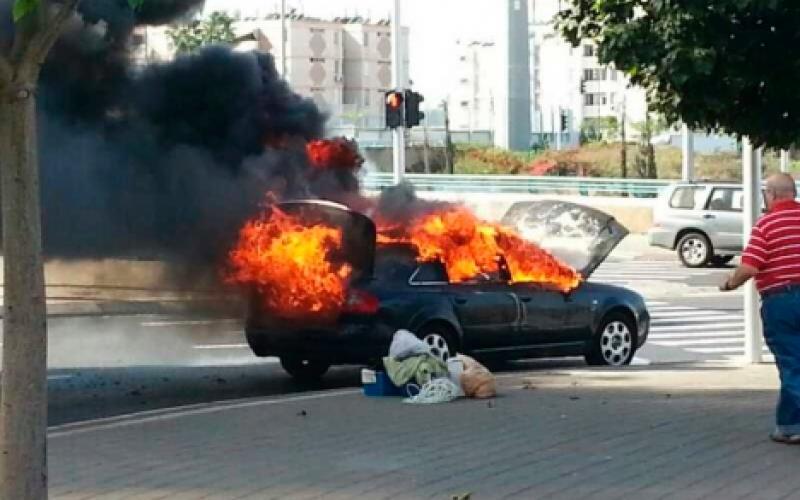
(753, 259)
(740, 276)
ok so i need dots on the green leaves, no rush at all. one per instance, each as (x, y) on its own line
(23, 7)
(218, 28)
(714, 65)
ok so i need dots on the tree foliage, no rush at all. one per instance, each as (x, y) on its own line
(24, 7)
(218, 28)
(727, 65)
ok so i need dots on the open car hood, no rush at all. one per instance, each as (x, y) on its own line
(358, 231)
(580, 236)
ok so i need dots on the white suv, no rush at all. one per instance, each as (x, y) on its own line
(701, 221)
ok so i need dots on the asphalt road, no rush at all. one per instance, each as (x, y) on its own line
(112, 365)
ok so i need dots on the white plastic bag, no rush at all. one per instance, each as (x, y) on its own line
(455, 367)
(405, 345)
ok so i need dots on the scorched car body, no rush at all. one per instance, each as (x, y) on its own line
(488, 317)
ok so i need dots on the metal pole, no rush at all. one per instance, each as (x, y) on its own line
(398, 76)
(785, 161)
(687, 171)
(751, 178)
(283, 39)
(558, 130)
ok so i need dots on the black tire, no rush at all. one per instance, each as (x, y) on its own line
(304, 370)
(721, 260)
(614, 342)
(695, 250)
(441, 339)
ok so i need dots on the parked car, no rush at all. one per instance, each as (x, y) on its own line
(487, 318)
(702, 222)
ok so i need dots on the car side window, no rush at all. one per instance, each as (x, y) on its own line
(429, 273)
(687, 198)
(726, 200)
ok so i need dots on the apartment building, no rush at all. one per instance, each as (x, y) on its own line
(344, 64)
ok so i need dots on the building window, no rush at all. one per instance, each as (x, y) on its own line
(317, 31)
(613, 74)
(594, 74)
(366, 39)
(589, 51)
(464, 81)
(597, 99)
(317, 60)
(366, 98)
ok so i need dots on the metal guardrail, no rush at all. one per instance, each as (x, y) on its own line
(519, 184)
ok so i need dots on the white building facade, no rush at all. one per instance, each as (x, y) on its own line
(343, 64)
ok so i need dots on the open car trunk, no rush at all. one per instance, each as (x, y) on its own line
(580, 236)
(357, 250)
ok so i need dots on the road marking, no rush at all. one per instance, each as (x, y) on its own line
(712, 341)
(718, 350)
(221, 346)
(162, 324)
(694, 328)
(694, 335)
(696, 320)
(182, 411)
(59, 377)
(693, 312)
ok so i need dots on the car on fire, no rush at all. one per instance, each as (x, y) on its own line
(489, 317)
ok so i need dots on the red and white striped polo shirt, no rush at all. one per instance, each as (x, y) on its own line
(774, 247)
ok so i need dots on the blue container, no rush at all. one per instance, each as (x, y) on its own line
(378, 384)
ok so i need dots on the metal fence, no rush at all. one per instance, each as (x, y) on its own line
(518, 184)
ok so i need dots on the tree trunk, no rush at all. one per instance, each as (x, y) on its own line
(23, 423)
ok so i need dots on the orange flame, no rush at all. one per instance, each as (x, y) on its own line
(337, 153)
(290, 264)
(468, 247)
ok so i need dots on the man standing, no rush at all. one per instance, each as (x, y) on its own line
(772, 257)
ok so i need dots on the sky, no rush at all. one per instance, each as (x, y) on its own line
(435, 26)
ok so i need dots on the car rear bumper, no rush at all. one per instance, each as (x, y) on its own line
(660, 237)
(342, 344)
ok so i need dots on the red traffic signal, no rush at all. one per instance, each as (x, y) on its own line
(394, 108)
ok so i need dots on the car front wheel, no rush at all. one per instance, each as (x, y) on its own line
(694, 250)
(614, 342)
(304, 370)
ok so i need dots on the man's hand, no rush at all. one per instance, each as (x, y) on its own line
(742, 275)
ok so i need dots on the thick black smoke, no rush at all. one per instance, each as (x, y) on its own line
(165, 161)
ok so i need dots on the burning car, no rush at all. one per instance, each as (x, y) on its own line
(498, 305)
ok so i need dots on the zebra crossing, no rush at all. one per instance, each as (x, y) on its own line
(630, 272)
(713, 334)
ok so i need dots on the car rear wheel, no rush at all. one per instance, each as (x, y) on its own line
(614, 343)
(304, 370)
(440, 340)
(721, 260)
(694, 250)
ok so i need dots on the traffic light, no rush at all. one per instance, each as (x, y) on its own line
(394, 108)
(564, 121)
(413, 115)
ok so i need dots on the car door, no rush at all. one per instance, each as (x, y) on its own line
(543, 315)
(488, 311)
(723, 218)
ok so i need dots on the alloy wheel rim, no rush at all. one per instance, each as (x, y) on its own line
(694, 251)
(616, 343)
(437, 345)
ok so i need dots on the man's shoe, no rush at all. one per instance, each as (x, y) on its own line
(780, 437)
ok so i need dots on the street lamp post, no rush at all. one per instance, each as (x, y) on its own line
(283, 39)
(398, 77)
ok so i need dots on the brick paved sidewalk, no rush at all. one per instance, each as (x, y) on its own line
(651, 432)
